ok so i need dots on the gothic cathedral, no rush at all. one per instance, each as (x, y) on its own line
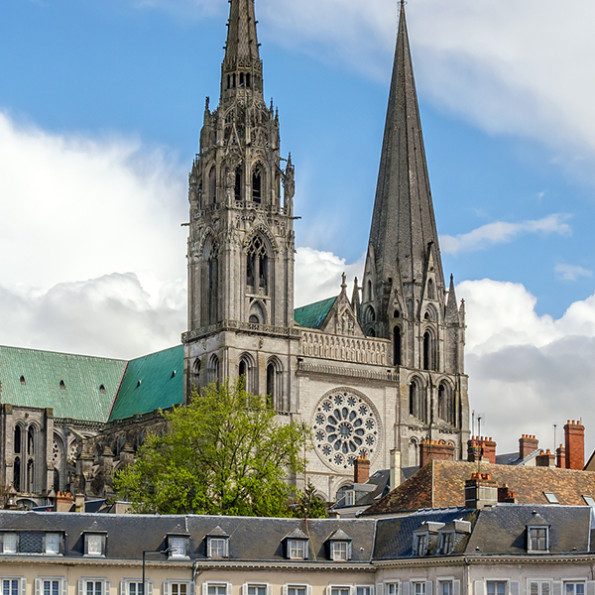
(369, 375)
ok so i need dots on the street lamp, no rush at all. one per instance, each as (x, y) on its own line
(145, 552)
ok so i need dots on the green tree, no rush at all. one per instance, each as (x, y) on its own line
(308, 505)
(223, 453)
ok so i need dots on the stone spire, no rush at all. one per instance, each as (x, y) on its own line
(403, 225)
(242, 67)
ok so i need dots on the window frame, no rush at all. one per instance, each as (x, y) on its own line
(206, 585)
(173, 553)
(336, 546)
(575, 582)
(40, 580)
(421, 543)
(386, 587)
(287, 586)
(84, 580)
(12, 535)
(535, 528)
(369, 588)
(418, 583)
(445, 581)
(497, 581)
(126, 582)
(256, 585)
(102, 541)
(216, 541)
(338, 589)
(540, 582)
(58, 537)
(298, 544)
(21, 583)
(446, 538)
(167, 586)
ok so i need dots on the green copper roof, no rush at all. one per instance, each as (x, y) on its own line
(313, 315)
(155, 381)
(74, 386)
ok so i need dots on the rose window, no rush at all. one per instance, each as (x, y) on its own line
(345, 427)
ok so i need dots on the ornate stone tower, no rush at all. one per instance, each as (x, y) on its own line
(241, 241)
(404, 294)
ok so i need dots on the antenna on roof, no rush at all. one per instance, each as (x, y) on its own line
(555, 428)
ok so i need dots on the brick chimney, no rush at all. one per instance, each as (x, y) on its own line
(64, 502)
(545, 459)
(361, 470)
(561, 457)
(528, 444)
(574, 437)
(480, 491)
(505, 495)
(481, 449)
(436, 450)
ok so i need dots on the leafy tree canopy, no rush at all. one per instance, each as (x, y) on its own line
(223, 453)
(308, 505)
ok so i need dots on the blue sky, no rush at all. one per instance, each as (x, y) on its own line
(100, 109)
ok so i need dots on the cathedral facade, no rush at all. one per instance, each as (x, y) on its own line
(370, 375)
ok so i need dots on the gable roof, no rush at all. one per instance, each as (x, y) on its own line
(314, 315)
(74, 386)
(151, 382)
(441, 484)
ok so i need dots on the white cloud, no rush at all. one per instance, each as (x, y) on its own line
(501, 232)
(571, 272)
(526, 371)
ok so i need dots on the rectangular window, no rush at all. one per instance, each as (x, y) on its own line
(94, 587)
(297, 549)
(551, 497)
(419, 588)
(51, 586)
(421, 544)
(340, 551)
(216, 589)
(297, 590)
(133, 588)
(539, 588)
(94, 544)
(9, 543)
(52, 543)
(444, 587)
(218, 547)
(340, 590)
(575, 588)
(391, 588)
(538, 541)
(496, 587)
(179, 588)
(364, 590)
(257, 590)
(446, 542)
(11, 586)
(178, 547)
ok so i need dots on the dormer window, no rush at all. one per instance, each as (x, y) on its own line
(340, 551)
(52, 543)
(9, 543)
(420, 544)
(537, 539)
(178, 546)
(95, 544)
(296, 545)
(217, 546)
(446, 542)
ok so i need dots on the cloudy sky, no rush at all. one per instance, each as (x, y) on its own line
(100, 109)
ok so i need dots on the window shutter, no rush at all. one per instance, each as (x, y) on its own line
(167, 588)
(480, 588)
(590, 587)
(379, 590)
(81, 587)
(205, 589)
(38, 589)
(456, 587)
(149, 588)
(557, 588)
(428, 587)
(405, 588)
(514, 587)
(285, 590)
(63, 586)
(227, 588)
(23, 586)
(269, 589)
(123, 588)
(192, 588)
(106, 587)
(308, 589)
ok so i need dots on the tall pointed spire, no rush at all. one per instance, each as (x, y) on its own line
(242, 67)
(403, 225)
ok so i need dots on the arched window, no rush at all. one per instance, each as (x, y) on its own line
(414, 457)
(397, 346)
(417, 400)
(257, 264)
(238, 183)
(213, 185)
(446, 404)
(31, 441)
(429, 351)
(275, 385)
(257, 313)
(213, 370)
(369, 296)
(370, 314)
(17, 439)
(247, 370)
(196, 371)
(17, 474)
(257, 184)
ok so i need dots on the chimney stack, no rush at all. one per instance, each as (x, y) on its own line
(505, 495)
(436, 450)
(481, 449)
(574, 436)
(480, 491)
(545, 459)
(528, 444)
(561, 457)
(361, 470)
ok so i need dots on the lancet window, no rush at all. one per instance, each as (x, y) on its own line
(257, 264)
